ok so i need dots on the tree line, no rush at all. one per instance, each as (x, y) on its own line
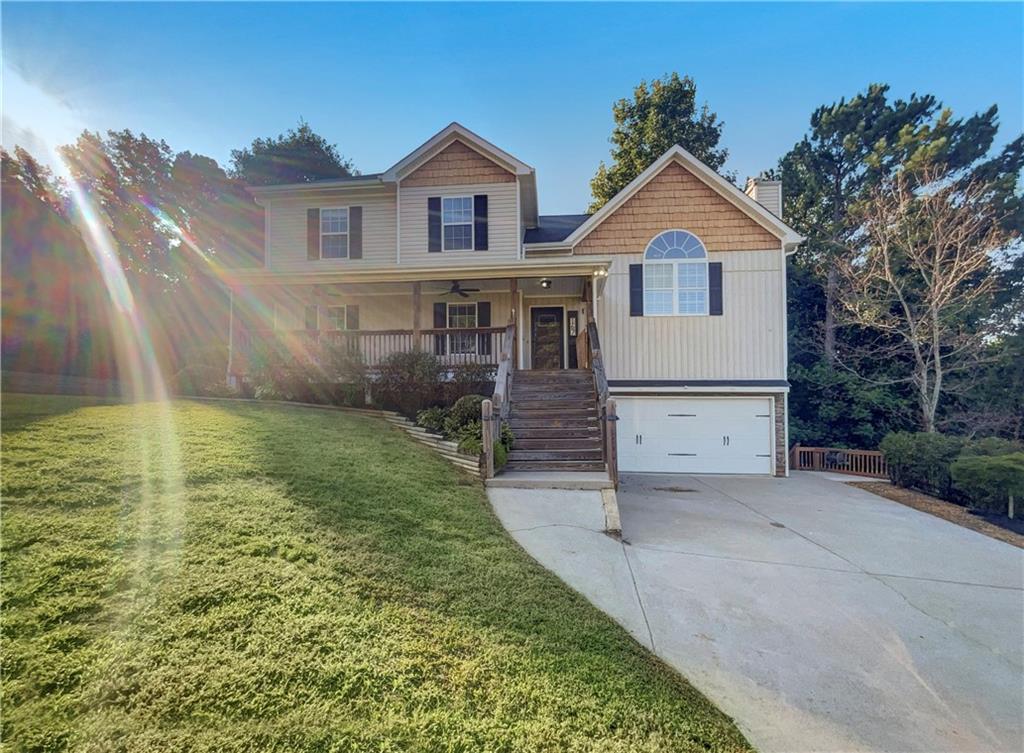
(905, 301)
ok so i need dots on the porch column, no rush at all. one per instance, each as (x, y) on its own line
(513, 287)
(416, 295)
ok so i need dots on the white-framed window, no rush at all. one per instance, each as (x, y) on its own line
(675, 275)
(334, 233)
(462, 316)
(337, 317)
(457, 223)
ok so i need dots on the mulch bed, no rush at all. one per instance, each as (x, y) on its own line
(996, 526)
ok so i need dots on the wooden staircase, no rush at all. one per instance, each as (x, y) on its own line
(554, 418)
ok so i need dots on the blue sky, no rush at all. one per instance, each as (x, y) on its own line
(538, 80)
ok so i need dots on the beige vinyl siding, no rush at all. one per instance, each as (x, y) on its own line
(746, 342)
(502, 225)
(286, 237)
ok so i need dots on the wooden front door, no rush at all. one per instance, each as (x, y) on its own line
(547, 349)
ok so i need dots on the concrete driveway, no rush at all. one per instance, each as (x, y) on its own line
(819, 616)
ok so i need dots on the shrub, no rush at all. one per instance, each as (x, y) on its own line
(277, 375)
(921, 461)
(988, 481)
(473, 378)
(992, 446)
(202, 380)
(344, 364)
(466, 410)
(409, 382)
(432, 419)
(470, 441)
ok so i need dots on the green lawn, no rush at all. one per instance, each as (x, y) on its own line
(240, 577)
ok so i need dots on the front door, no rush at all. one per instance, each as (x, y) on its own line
(547, 349)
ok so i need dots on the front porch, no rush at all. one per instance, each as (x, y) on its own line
(466, 321)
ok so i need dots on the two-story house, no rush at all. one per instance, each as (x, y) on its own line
(682, 275)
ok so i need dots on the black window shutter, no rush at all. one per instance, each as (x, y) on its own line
(636, 289)
(483, 319)
(434, 223)
(480, 222)
(351, 317)
(440, 322)
(312, 234)
(715, 288)
(355, 232)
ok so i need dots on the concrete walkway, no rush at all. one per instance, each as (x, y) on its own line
(819, 616)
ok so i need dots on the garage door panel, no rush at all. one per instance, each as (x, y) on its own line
(695, 435)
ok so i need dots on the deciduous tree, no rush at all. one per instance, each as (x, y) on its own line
(923, 276)
(299, 156)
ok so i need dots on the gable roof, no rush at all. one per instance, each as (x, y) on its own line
(458, 132)
(444, 137)
(764, 218)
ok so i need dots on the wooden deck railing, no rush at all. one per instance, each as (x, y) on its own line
(453, 347)
(605, 404)
(870, 463)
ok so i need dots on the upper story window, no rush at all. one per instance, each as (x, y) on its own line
(457, 223)
(334, 233)
(675, 275)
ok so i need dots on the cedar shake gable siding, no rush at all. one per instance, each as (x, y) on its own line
(676, 198)
(458, 164)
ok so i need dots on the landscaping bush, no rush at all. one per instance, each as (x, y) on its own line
(925, 462)
(470, 439)
(432, 419)
(276, 374)
(921, 461)
(988, 481)
(202, 380)
(466, 410)
(344, 364)
(473, 378)
(409, 382)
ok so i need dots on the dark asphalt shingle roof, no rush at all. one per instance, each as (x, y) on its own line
(552, 228)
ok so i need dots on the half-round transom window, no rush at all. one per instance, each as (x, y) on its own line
(675, 275)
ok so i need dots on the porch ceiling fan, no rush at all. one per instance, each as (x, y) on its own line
(457, 289)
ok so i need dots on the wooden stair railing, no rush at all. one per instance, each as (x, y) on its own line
(495, 410)
(605, 404)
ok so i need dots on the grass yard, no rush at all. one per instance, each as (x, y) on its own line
(237, 577)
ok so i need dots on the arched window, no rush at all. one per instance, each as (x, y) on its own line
(675, 275)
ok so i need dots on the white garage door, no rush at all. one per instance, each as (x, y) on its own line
(695, 435)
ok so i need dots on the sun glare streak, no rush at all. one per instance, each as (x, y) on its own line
(156, 447)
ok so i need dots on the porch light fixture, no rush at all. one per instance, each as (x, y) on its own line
(545, 282)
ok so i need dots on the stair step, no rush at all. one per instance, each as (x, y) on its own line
(558, 443)
(593, 454)
(557, 432)
(554, 415)
(554, 465)
(541, 421)
(553, 405)
(553, 392)
(532, 377)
